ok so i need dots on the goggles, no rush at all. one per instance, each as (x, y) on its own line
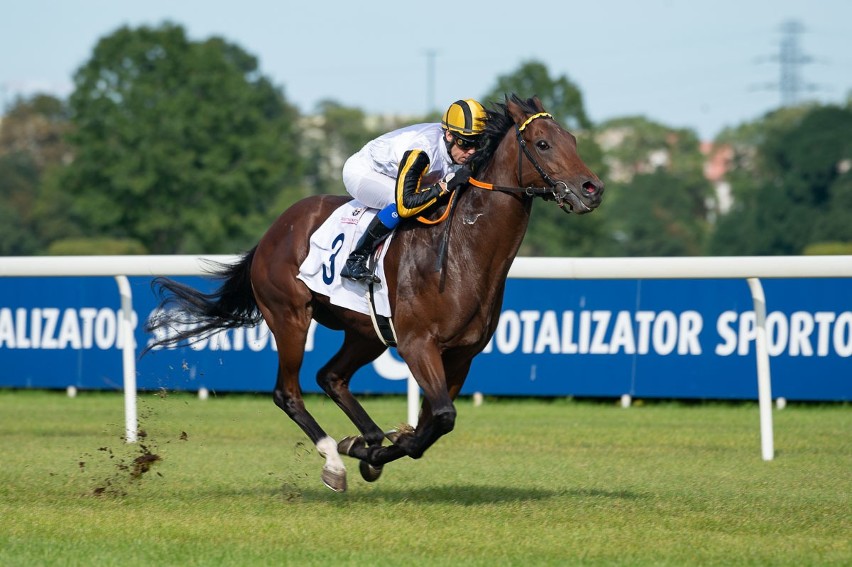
(465, 144)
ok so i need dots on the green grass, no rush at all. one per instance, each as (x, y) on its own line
(519, 482)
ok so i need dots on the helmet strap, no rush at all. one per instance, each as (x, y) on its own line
(448, 144)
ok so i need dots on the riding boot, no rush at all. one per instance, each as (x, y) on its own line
(356, 268)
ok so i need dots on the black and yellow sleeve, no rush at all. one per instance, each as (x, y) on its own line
(411, 199)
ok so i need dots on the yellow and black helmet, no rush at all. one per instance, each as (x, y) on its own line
(465, 118)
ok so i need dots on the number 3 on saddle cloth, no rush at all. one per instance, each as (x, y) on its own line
(329, 248)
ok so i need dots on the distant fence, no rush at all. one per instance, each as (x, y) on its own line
(541, 333)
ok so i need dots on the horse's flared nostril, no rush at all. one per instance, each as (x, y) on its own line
(590, 188)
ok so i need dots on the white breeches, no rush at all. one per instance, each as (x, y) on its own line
(370, 187)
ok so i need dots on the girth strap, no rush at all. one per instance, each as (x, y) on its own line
(381, 324)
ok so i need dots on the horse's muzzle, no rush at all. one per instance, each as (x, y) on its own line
(582, 198)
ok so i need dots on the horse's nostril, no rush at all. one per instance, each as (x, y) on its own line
(590, 188)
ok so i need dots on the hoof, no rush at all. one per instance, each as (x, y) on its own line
(395, 434)
(369, 472)
(348, 443)
(335, 480)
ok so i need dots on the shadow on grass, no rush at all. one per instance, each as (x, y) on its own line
(610, 494)
(462, 494)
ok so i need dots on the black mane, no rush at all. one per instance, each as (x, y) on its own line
(498, 123)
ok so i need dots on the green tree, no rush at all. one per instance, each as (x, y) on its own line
(654, 215)
(19, 181)
(37, 126)
(331, 136)
(183, 146)
(635, 145)
(657, 195)
(836, 216)
(796, 190)
(560, 96)
(31, 144)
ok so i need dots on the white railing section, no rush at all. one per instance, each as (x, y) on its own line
(751, 268)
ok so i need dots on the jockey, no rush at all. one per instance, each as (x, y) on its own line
(408, 170)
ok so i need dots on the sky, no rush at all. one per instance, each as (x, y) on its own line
(686, 64)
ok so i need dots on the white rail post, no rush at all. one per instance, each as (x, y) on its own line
(764, 388)
(128, 354)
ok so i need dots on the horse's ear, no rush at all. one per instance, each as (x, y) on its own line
(519, 109)
(516, 111)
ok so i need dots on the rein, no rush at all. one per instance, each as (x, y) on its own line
(523, 191)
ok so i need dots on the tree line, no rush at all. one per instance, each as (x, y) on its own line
(173, 146)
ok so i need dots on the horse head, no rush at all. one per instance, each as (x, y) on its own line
(551, 156)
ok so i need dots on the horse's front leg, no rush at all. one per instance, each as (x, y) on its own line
(437, 417)
(456, 372)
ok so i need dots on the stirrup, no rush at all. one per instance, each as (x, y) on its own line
(356, 270)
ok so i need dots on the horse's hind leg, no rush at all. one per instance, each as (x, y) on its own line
(334, 378)
(290, 339)
(288, 397)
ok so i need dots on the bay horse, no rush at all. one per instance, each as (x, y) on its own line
(443, 317)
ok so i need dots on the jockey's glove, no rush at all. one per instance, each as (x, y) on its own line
(457, 178)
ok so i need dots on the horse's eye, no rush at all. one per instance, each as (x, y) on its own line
(542, 145)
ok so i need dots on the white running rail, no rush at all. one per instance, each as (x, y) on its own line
(750, 268)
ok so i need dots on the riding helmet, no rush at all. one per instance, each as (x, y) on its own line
(465, 117)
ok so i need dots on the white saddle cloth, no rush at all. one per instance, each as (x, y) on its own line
(330, 247)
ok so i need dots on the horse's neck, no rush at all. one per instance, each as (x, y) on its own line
(494, 223)
(508, 214)
(497, 206)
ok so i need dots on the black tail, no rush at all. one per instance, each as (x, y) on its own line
(185, 313)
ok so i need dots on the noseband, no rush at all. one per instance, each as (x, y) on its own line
(551, 191)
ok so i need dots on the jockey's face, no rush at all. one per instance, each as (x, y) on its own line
(461, 150)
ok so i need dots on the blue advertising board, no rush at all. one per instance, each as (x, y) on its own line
(586, 338)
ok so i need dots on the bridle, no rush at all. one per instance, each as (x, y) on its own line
(556, 190)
